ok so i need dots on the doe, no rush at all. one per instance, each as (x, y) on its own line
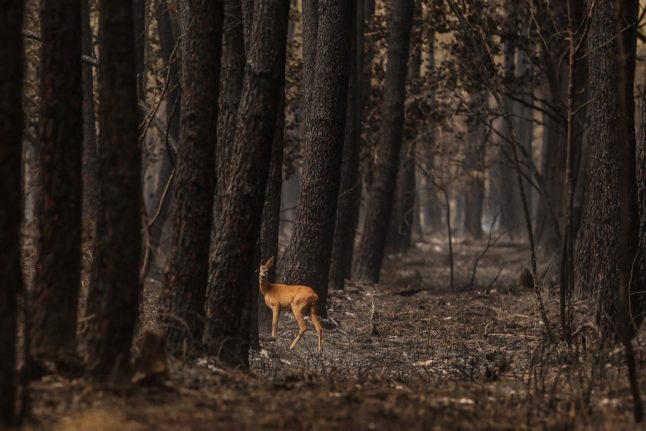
(280, 297)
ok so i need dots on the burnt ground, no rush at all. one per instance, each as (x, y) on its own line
(410, 353)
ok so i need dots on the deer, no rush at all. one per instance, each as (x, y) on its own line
(280, 297)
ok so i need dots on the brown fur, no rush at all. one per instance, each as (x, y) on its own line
(281, 297)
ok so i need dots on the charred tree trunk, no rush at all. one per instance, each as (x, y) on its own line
(473, 165)
(168, 42)
(603, 243)
(401, 224)
(59, 202)
(186, 275)
(231, 266)
(371, 247)
(231, 74)
(347, 212)
(139, 18)
(310, 23)
(432, 208)
(523, 125)
(90, 154)
(550, 205)
(511, 215)
(11, 124)
(308, 254)
(270, 222)
(641, 193)
(114, 292)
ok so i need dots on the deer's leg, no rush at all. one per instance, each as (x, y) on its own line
(274, 320)
(298, 314)
(317, 325)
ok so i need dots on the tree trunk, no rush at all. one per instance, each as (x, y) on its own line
(139, 18)
(167, 42)
(347, 212)
(90, 196)
(550, 205)
(270, 222)
(473, 165)
(172, 105)
(186, 275)
(310, 23)
(511, 215)
(401, 224)
(232, 266)
(432, 208)
(308, 254)
(11, 124)
(522, 121)
(599, 248)
(114, 293)
(231, 74)
(59, 203)
(371, 247)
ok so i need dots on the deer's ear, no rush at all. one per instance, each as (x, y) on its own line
(270, 262)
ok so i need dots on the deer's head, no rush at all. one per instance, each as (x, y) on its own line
(263, 272)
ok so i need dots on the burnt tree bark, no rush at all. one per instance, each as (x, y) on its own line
(231, 75)
(347, 212)
(604, 244)
(90, 196)
(168, 42)
(550, 205)
(552, 170)
(310, 23)
(269, 228)
(11, 124)
(432, 209)
(511, 215)
(186, 273)
(231, 265)
(401, 221)
(473, 165)
(59, 202)
(139, 18)
(114, 290)
(308, 254)
(370, 251)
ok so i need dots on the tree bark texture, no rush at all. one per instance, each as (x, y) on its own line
(168, 41)
(140, 30)
(59, 203)
(90, 196)
(11, 124)
(552, 170)
(269, 228)
(432, 208)
(550, 206)
(232, 268)
(474, 165)
(598, 247)
(310, 23)
(308, 254)
(114, 290)
(522, 121)
(510, 207)
(186, 276)
(401, 223)
(370, 251)
(231, 74)
(347, 212)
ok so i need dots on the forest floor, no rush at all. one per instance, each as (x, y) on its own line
(410, 353)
